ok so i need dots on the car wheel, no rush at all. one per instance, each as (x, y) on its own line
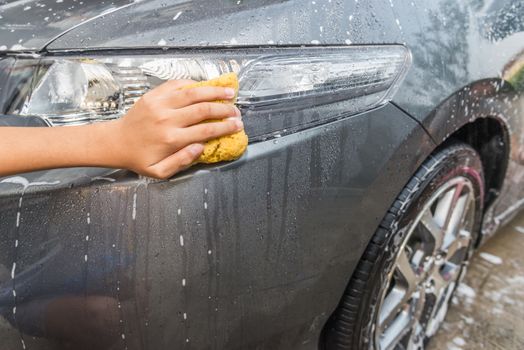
(399, 293)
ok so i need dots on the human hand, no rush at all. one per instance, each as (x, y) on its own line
(161, 135)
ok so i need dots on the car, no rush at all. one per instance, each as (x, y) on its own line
(386, 144)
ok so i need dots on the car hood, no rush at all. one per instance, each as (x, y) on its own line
(29, 25)
(150, 23)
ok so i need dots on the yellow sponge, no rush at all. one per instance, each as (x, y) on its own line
(228, 147)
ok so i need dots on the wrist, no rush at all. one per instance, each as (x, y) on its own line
(105, 145)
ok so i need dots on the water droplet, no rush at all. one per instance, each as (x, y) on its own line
(134, 206)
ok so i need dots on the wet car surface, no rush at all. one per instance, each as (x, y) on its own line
(255, 253)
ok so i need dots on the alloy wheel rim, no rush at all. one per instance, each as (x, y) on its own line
(427, 268)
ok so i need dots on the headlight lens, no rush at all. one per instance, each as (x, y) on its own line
(75, 90)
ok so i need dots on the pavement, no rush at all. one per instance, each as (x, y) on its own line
(488, 309)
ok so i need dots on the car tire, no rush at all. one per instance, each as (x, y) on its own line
(415, 259)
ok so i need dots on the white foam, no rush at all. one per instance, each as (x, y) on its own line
(465, 290)
(519, 229)
(459, 341)
(493, 259)
(177, 15)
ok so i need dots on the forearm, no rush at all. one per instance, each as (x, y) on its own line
(24, 149)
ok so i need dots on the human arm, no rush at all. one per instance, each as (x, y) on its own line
(158, 137)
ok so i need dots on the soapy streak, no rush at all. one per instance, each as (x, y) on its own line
(25, 183)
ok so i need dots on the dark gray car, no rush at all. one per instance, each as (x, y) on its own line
(386, 143)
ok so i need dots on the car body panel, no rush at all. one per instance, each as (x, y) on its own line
(29, 25)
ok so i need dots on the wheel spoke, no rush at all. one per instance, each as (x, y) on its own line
(391, 306)
(457, 192)
(406, 270)
(466, 211)
(433, 229)
(443, 208)
(454, 219)
(396, 331)
(420, 296)
(438, 282)
(462, 241)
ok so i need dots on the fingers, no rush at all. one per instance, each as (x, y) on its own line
(187, 97)
(200, 112)
(176, 162)
(209, 131)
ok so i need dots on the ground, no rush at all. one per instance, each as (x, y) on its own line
(488, 310)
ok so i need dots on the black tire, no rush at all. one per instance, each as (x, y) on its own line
(351, 325)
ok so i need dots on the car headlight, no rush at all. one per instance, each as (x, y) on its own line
(73, 89)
